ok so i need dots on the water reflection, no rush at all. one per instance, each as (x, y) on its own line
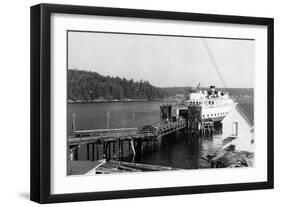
(182, 150)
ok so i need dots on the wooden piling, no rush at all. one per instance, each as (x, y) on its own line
(109, 150)
(97, 149)
(114, 149)
(88, 151)
(107, 119)
(133, 147)
(93, 152)
(75, 151)
(103, 150)
(73, 123)
(122, 148)
(129, 147)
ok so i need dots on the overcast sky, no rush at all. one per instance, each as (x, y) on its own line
(163, 61)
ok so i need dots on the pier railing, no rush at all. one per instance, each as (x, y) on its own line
(106, 132)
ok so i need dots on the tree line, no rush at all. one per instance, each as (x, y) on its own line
(91, 86)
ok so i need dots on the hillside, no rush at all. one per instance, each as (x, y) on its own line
(89, 86)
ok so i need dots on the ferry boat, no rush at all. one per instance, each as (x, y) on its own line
(203, 105)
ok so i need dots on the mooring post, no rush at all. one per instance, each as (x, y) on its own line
(107, 119)
(133, 117)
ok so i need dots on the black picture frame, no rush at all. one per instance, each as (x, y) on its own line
(41, 98)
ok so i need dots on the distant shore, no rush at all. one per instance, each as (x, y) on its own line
(114, 101)
(239, 99)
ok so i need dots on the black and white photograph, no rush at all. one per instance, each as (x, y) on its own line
(139, 103)
(133, 103)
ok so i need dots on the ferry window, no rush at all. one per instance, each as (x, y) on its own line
(235, 128)
(209, 102)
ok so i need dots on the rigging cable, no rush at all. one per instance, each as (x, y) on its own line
(213, 60)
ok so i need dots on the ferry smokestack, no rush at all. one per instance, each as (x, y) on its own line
(212, 88)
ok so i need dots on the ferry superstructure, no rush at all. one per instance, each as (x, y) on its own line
(206, 105)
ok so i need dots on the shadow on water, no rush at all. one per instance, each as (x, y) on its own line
(182, 150)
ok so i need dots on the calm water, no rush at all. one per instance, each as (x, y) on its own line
(178, 150)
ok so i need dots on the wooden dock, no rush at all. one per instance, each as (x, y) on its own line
(112, 141)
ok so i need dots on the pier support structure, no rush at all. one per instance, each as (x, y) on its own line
(196, 125)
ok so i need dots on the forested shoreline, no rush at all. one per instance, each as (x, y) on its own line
(91, 86)
(87, 86)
